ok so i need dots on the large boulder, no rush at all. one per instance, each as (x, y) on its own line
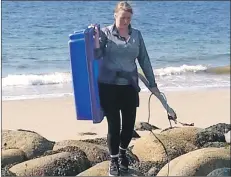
(188, 133)
(101, 169)
(149, 148)
(12, 156)
(214, 133)
(60, 164)
(220, 172)
(148, 168)
(95, 153)
(214, 144)
(98, 141)
(197, 163)
(30, 142)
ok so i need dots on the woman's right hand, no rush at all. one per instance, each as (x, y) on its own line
(96, 31)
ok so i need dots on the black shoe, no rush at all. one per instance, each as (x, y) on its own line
(114, 168)
(123, 162)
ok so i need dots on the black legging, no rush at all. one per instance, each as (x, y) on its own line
(113, 99)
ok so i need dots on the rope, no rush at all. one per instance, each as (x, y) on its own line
(168, 160)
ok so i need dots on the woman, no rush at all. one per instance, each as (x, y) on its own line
(120, 45)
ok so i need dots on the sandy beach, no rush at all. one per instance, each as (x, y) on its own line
(55, 118)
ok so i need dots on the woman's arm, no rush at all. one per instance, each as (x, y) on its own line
(145, 63)
(100, 43)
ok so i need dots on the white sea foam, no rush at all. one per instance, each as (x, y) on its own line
(59, 77)
(59, 84)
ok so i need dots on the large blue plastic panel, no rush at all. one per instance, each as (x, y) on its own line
(85, 75)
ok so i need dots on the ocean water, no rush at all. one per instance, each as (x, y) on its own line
(184, 41)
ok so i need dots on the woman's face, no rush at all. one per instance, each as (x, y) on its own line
(122, 19)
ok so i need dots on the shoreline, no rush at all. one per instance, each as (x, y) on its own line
(61, 95)
(55, 118)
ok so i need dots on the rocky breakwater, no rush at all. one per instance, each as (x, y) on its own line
(191, 151)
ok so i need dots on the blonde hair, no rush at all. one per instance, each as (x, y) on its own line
(123, 5)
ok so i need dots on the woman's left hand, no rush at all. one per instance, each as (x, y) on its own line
(172, 113)
(157, 93)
